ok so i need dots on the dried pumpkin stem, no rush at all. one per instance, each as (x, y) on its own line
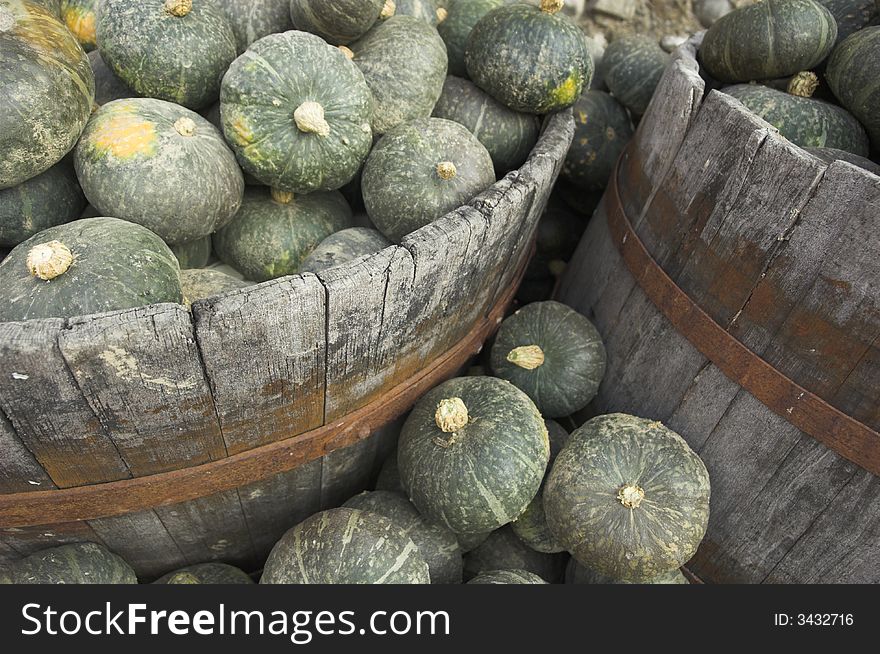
(803, 85)
(185, 126)
(451, 415)
(179, 8)
(49, 260)
(281, 197)
(552, 6)
(348, 52)
(442, 15)
(446, 170)
(309, 118)
(388, 10)
(527, 356)
(631, 495)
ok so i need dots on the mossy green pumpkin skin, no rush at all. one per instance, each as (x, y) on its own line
(389, 475)
(345, 546)
(767, 40)
(78, 563)
(251, 20)
(404, 63)
(79, 17)
(565, 375)
(344, 246)
(503, 550)
(437, 544)
(159, 165)
(206, 573)
(483, 474)
(108, 86)
(201, 283)
(529, 59)
(424, 10)
(270, 238)
(830, 155)
(632, 67)
(115, 265)
(806, 122)
(853, 73)
(602, 129)
(48, 90)
(628, 498)
(297, 113)
(461, 17)
(507, 577)
(179, 58)
(338, 22)
(508, 135)
(193, 254)
(850, 15)
(408, 182)
(575, 573)
(51, 198)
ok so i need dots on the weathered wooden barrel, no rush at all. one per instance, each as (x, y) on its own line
(175, 437)
(736, 282)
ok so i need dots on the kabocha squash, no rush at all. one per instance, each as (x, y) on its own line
(502, 550)
(297, 112)
(424, 10)
(830, 155)
(631, 68)
(160, 165)
(529, 58)
(251, 20)
(628, 498)
(853, 73)
(470, 542)
(108, 86)
(560, 228)
(273, 232)
(53, 6)
(344, 246)
(193, 254)
(507, 577)
(389, 476)
(206, 573)
(201, 283)
(575, 573)
(78, 563)
(93, 265)
(345, 546)
(437, 544)
(850, 15)
(804, 121)
(472, 454)
(48, 90)
(404, 63)
(79, 17)
(338, 22)
(767, 40)
(420, 171)
(508, 135)
(602, 130)
(51, 198)
(461, 16)
(553, 353)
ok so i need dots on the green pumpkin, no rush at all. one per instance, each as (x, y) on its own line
(160, 165)
(274, 232)
(420, 171)
(296, 111)
(338, 22)
(424, 10)
(509, 136)
(472, 454)
(853, 73)
(79, 17)
(559, 230)
(437, 544)
(602, 130)
(470, 542)
(404, 63)
(108, 87)
(575, 573)
(251, 20)
(343, 246)
(632, 67)
(461, 17)
(767, 40)
(850, 15)
(193, 254)
(389, 475)
(202, 283)
(628, 498)
(804, 121)
(78, 563)
(553, 353)
(529, 58)
(175, 50)
(503, 550)
(48, 90)
(345, 546)
(830, 155)
(206, 573)
(507, 577)
(53, 6)
(531, 527)
(51, 198)
(94, 265)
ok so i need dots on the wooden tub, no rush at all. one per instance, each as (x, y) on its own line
(176, 437)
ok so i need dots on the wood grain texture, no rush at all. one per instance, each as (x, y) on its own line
(19, 470)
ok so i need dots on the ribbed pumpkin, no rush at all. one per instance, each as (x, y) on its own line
(251, 20)
(631, 68)
(48, 90)
(338, 22)
(529, 58)
(79, 16)
(297, 111)
(437, 544)
(51, 198)
(404, 63)
(175, 50)
(420, 171)
(345, 546)
(628, 498)
(575, 573)
(461, 16)
(274, 232)
(804, 121)
(160, 165)
(201, 283)
(78, 563)
(472, 454)
(507, 577)
(508, 135)
(193, 254)
(830, 155)
(108, 86)
(850, 15)
(853, 73)
(553, 353)
(502, 550)
(767, 40)
(206, 573)
(343, 246)
(602, 130)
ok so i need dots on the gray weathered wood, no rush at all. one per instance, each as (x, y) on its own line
(19, 470)
(141, 539)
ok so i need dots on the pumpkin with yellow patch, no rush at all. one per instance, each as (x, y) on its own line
(79, 16)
